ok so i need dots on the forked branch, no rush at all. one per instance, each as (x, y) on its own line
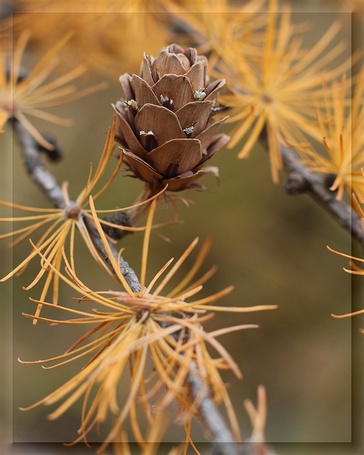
(221, 436)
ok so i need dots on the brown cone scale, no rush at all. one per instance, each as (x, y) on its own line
(165, 124)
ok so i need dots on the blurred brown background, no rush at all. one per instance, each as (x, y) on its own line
(270, 246)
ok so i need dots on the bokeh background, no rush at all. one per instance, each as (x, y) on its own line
(270, 246)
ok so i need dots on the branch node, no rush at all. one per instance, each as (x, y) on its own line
(121, 219)
(55, 154)
(295, 184)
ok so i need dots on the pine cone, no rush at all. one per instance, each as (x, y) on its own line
(165, 123)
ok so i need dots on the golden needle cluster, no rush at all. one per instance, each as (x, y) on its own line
(133, 329)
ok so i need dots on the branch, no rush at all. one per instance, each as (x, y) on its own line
(125, 268)
(223, 439)
(50, 187)
(301, 180)
(34, 166)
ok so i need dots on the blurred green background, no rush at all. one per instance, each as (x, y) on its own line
(270, 246)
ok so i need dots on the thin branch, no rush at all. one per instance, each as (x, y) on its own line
(34, 166)
(302, 180)
(223, 440)
(50, 187)
(221, 435)
(125, 268)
